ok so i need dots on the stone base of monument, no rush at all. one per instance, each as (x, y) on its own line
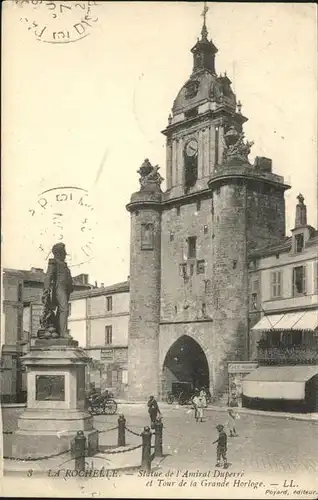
(56, 401)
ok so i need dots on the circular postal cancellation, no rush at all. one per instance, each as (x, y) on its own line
(66, 215)
(58, 22)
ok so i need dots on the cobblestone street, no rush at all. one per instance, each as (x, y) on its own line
(264, 443)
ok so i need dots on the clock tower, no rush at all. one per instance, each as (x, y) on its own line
(189, 288)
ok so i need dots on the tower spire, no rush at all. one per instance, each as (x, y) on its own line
(204, 31)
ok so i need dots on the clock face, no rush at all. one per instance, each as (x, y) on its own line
(65, 215)
(191, 148)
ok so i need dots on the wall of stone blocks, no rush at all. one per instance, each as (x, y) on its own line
(182, 300)
(144, 307)
(265, 209)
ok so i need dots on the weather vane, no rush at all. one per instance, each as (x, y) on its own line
(204, 31)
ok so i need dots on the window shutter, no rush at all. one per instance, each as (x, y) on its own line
(304, 280)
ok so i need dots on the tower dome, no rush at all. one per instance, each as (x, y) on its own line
(204, 85)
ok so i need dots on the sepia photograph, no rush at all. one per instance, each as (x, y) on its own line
(159, 250)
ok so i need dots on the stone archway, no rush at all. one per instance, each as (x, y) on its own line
(185, 362)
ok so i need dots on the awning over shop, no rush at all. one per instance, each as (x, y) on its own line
(301, 320)
(278, 382)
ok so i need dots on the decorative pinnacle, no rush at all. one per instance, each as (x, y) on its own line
(301, 199)
(204, 31)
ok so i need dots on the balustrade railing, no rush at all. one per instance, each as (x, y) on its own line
(288, 355)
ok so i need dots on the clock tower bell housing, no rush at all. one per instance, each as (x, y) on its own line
(216, 207)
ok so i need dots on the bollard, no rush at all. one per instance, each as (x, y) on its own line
(158, 438)
(121, 430)
(146, 450)
(79, 451)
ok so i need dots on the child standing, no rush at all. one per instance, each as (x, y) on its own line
(200, 407)
(196, 404)
(221, 447)
(231, 422)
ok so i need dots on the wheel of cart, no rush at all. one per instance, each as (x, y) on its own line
(170, 398)
(109, 407)
(183, 398)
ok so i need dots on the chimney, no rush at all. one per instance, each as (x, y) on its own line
(95, 284)
(301, 212)
(102, 285)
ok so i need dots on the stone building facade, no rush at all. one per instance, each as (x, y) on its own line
(189, 309)
(284, 321)
(98, 320)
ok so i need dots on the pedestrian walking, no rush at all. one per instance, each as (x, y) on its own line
(153, 410)
(232, 416)
(203, 396)
(195, 402)
(221, 448)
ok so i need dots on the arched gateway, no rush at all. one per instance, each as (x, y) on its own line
(185, 362)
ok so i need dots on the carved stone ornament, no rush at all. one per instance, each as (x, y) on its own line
(192, 87)
(236, 151)
(149, 174)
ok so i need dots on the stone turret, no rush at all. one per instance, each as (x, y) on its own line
(145, 253)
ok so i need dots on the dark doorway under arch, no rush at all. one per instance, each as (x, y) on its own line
(185, 361)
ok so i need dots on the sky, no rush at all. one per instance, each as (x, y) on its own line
(87, 113)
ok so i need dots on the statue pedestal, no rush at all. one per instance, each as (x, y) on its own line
(56, 401)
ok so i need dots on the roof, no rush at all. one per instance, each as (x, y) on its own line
(281, 246)
(106, 290)
(37, 276)
(282, 373)
(285, 245)
(208, 87)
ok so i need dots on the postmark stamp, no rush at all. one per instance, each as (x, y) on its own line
(58, 22)
(64, 214)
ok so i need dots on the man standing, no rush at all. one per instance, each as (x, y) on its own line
(59, 284)
(153, 410)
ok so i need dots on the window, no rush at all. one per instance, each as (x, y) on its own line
(191, 269)
(254, 304)
(299, 242)
(299, 280)
(198, 205)
(183, 270)
(192, 250)
(191, 113)
(205, 229)
(125, 376)
(69, 308)
(20, 292)
(200, 266)
(116, 378)
(147, 236)
(276, 284)
(19, 326)
(316, 277)
(109, 303)
(108, 334)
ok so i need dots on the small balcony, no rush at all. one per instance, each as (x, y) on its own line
(288, 355)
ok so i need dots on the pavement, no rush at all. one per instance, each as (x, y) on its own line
(266, 441)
